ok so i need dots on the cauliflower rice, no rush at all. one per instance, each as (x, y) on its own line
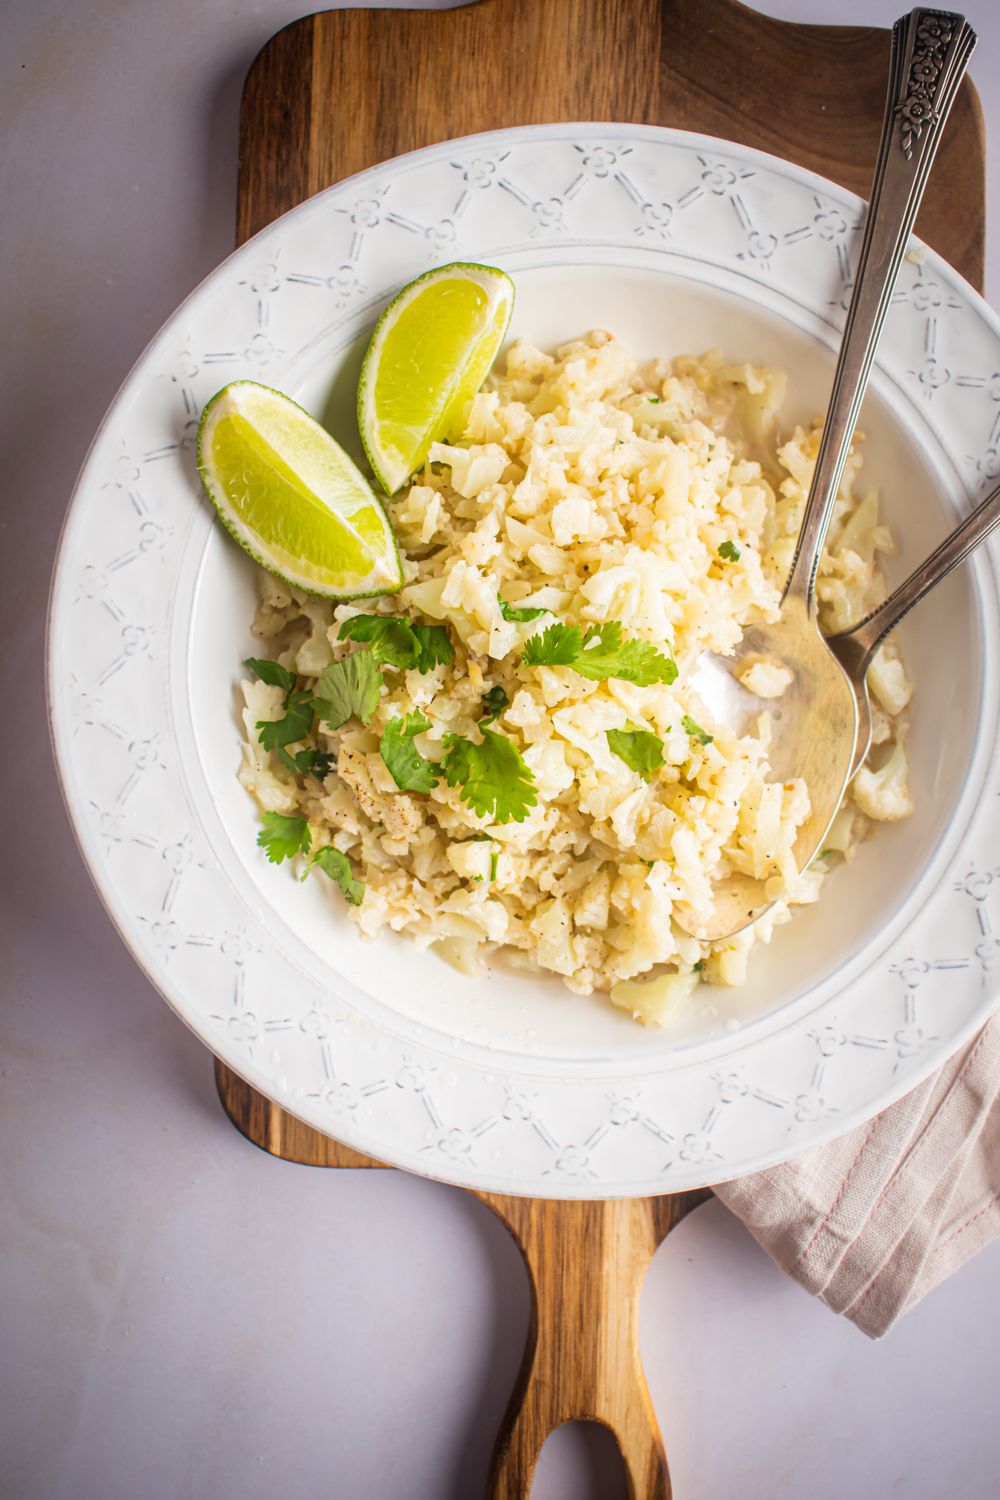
(598, 488)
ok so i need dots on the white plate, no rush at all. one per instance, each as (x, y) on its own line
(677, 242)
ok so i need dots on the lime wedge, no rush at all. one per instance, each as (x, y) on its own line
(431, 351)
(291, 496)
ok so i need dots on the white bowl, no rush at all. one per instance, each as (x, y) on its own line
(511, 1082)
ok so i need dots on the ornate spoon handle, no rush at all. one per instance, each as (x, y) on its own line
(930, 53)
(857, 646)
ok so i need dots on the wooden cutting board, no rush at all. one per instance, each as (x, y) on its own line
(337, 92)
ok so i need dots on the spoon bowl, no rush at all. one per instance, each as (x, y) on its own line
(813, 727)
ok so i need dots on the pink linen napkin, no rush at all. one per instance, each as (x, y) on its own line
(875, 1219)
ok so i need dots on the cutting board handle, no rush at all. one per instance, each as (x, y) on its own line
(587, 1263)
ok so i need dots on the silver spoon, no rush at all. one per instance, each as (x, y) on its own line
(855, 648)
(815, 732)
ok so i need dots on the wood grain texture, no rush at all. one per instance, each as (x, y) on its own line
(273, 1129)
(587, 1263)
(337, 92)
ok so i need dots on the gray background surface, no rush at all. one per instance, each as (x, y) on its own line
(182, 1316)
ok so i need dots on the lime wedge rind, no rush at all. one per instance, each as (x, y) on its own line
(393, 464)
(332, 537)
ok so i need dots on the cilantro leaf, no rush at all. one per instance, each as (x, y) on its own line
(520, 615)
(695, 731)
(348, 689)
(407, 767)
(729, 551)
(389, 636)
(271, 672)
(558, 646)
(494, 702)
(494, 779)
(600, 654)
(605, 654)
(398, 643)
(296, 721)
(307, 762)
(295, 725)
(433, 647)
(339, 868)
(640, 749)
(280, 837)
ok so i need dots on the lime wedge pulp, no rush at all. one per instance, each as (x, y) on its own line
(431, 351)
(291, 496)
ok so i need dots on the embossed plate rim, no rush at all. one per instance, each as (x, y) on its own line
(448, 1157)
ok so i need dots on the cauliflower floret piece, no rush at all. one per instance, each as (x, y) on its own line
(547, 763)
(888, 681)
(883, 794)
(472, 469)
(471, 858)
(575, 518)
(671, 476)
(489, 920)
(553, 929)
(314, 654)
(273, 591)
(397, 811)
(627, 816)
(729, 966)
(857, 535)
(525, 712)
(420, 514)
(612, 593)
(844, 831)
(464, 954)
(766, 679)
(593, 903)
(468, 590)
(651, 938)
(274, 795)
(654, 1001)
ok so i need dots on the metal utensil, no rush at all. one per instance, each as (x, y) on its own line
(855, 648)
(814, 733)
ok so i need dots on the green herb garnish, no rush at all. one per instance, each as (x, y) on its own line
(494, 779)
(599, 654)
(396, 641)
(296, 722)
(339, 868)
(695, 731)
(280, 837)
(520, 615)
(494, 702)
(407, 767)
(640, 749)
(348, 689)
(271, 672)
(307, 762)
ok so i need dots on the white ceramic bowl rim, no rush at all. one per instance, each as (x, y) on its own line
(498, 1122)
